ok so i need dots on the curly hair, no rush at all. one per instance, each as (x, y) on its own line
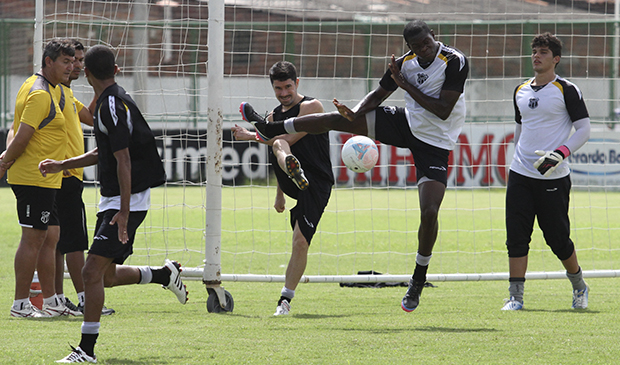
(548, 40)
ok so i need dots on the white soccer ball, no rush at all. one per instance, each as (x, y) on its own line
(360, 154)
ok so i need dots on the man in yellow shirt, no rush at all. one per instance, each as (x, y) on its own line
(39, 133)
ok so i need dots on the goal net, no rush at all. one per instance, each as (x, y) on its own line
(341, 50)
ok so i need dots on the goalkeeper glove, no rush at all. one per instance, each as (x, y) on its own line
(550, 160)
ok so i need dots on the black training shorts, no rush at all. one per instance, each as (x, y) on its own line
(35, 206)
(543, 199)
(72, 216)
(389, 126)
(311, 202)
(106, 242)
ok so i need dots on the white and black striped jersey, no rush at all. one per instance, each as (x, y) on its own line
(546, 114)
(448, 71)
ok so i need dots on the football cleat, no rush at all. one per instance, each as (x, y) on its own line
(69, 304)
(512, 305)
(176, 284)
(411, 300)
(59, 310)
(80, 308)
(283, 308)
(250, 115)
(580, 298)
(105, 311)
(295, 172)
(78, 355)
(27, 311)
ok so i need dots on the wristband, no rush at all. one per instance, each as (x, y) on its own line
(563, 151)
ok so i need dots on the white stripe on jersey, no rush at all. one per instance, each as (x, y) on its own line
(129, 121)
(458, 54)
(112, 106)
(102, 127)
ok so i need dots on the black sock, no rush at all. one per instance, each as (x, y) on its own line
(419, 274)
(161, 276)
(275, 129)
(87, 344)
(283, 298)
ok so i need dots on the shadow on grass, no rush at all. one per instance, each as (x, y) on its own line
(53, 319)
(145, 360)
(575, 311)
(453, 330)
(422, 329)
(318, 316)
(153, 360)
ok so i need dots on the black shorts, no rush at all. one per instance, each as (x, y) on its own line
(390, 126)
(72, 216)
(106, 242)
(545, 200)
(35, 206)
(311, 202)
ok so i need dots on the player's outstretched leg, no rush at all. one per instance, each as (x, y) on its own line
(250, 115)
(295, 172)
(176, 284)
(411, 300)
(77, 355)
(580, 298)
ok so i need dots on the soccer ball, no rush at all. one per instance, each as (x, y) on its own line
(360, 154)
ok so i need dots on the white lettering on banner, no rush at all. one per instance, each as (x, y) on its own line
(481, 158)
(598, 161)
(230, 162)
(191, 163)
(256, 169)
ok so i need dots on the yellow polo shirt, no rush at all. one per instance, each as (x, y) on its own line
(75, 146)
(38, 105)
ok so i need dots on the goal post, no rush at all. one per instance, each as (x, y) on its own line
(190, 63)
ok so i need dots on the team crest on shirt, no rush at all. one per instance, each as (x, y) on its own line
(389, 109)
(533, 104)
(421, 78)
(45, 217)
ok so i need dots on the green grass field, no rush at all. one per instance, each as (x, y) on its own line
(456, 323)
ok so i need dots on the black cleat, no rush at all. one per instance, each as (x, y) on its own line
(295, 172)
(411, 300)
(250, 115)
(80, 308)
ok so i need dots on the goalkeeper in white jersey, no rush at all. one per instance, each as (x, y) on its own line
(547, 108)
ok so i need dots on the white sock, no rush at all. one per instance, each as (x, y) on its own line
(146, 275)
(80, 296)
(422, 260)
(286, 292)
(289, 127)
(19, 304)
(51, 301)
(90, 328)
(61, 297)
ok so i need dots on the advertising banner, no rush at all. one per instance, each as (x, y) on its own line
(481, 158)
